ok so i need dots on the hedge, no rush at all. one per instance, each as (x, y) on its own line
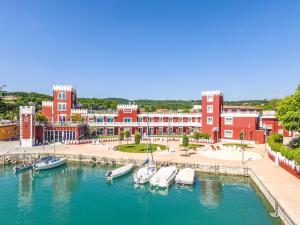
(275, 142)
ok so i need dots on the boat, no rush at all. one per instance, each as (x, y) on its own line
(144, 174)
(119, 172)
(23, 166)
(164, 177)
(49, 163)
(185, 176)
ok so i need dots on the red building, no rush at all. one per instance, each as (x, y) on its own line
(224, 123)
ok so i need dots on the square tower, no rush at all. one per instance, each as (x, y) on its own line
(27, 126)
(212, 104)
(64, 100)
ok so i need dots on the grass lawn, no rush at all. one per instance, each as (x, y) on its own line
(140, 148)
(237, 145)
(193, 146)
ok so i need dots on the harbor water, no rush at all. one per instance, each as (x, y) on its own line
(79, 194)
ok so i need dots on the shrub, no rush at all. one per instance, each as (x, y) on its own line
(277, 138)
(196, 135)
(275, 143)
(121, 135)
(137, 138)
(297, 157)
(205, 135)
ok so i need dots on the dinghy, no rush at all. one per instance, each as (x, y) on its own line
(164, 177)
(22, 167)
(50, 163)
(119, 172)
(185, 176)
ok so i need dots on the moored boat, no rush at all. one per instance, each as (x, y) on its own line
(119, 172)
(185, 176)
(50, 163)
(23, 167)
(164, 177)
(144, 174)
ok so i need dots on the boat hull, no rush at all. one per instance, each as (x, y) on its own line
(144, 174)
(47, 166)
(164, 177)
(119, 172)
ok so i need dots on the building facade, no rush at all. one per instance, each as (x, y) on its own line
(225, 123)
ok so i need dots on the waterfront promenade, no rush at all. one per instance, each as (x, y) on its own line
(280, 183)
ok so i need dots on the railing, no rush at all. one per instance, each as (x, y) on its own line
(269, 113)
(145, 124)
(62, 124)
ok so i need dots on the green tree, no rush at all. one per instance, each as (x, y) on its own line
(77, 118)
(40, 118)
(196, 135)
(288, 111)
(137, 138)
(127, 135)
(121, 135)
(185, 142)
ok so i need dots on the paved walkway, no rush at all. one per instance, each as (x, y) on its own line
(280, 183)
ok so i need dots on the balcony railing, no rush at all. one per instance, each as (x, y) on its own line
(145, 124)
(271, 113)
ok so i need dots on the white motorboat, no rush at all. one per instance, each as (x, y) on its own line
(164, 177)
(144, 174)
(185, 176)
(50, 163)
(119, 172)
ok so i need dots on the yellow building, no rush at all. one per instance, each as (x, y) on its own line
(8, 131)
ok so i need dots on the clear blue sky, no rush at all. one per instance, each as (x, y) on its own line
(155, 49)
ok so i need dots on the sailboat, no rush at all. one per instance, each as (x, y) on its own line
(49, 162)
(147, 170)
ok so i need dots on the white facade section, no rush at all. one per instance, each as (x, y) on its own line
(47, 103)
(82, 112)
(240, 114)
(211, 93)
(129, 106)
(27, 111)
(171, 115)
(63, 88)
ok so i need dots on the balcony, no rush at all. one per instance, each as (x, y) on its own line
(269, 113)
(145, 124)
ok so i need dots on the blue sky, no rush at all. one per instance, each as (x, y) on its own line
(154, 49)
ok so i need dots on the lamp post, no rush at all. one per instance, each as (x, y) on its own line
(242, 138)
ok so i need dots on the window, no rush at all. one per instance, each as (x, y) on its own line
(228, 134)
(180, 130)
(180, 120)
(110, 131)
(140, 119)
(110, 120)
(62, 95)
(160, 119)
(100, 131)
(210, 109)
(210, 120)
(150, 120)
(127, 120)
(170, 119)
(99, 119)
(228, 121)
(62, 107)
(91, 119)
(210, 98)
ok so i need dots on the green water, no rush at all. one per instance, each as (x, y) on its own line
(77, 194)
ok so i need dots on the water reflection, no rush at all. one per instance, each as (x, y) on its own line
(210, 193)
(25, 190)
